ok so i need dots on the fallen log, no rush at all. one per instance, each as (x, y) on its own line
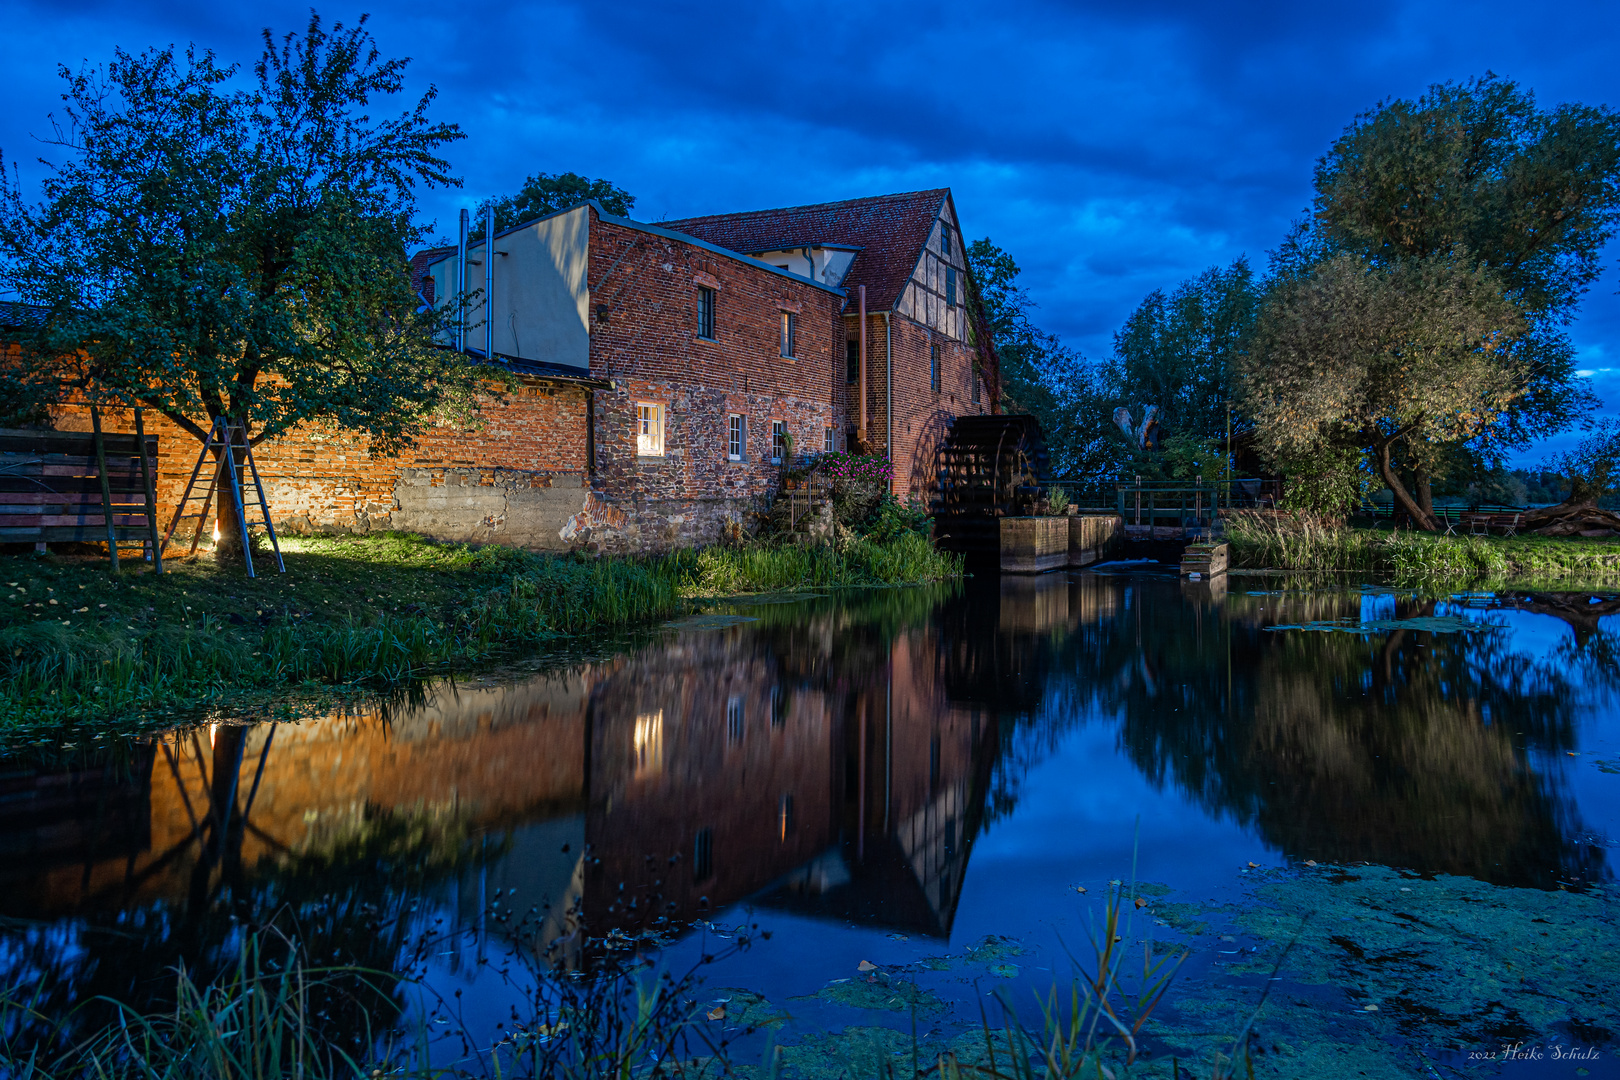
(1583, 518)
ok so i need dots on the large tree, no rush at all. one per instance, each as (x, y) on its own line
(215, 252)
(1039, 374)
(1354, 356)
(1177, 350)
(546, 193)
(1477, 172)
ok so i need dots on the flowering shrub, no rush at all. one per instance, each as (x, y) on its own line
(842, 467)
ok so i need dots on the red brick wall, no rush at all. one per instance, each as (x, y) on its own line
(323, 480)
(644, 337)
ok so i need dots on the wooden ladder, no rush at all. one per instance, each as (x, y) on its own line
(223, 437)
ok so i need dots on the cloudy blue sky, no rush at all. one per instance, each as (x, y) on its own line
(1112, 147)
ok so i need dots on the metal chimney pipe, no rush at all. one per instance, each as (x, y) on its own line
(489, 283)
(861, 430)
(461, 283)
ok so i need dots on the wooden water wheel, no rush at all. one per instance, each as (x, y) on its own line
(990, 467)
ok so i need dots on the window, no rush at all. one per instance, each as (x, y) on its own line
(735, 720)
(973, 379)
(649, 429)
(950, 286)
(790, 323)
(852, 360)
(779, 439)
(706, 313)
(827, 440)
(933, 367)
(945, 240)
(703, 855)
(736, 437)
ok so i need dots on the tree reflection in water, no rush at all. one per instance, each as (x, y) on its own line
(835, 757)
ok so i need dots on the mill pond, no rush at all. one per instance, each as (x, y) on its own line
(1379, 823)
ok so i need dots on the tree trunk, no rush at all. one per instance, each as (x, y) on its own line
(1386, 469)
(229, 545)
(1425, 490)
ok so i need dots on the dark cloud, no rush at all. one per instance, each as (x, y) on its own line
(1112, 147)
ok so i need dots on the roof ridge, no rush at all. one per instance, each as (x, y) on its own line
(813, 206)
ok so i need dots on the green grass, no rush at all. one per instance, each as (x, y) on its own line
(78, 643)
(1308, 546)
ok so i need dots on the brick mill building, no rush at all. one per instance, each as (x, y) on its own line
(665, 373)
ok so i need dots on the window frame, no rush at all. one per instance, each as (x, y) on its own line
(852, 361)
(829, 440)
(778, 442)
(789, 334)
(708, 301)
(661, 418)
(950, 286)
(945, 240)
(736, 437)
(935, 363)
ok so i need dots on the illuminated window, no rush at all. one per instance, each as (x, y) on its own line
(649, 429)
(790, 324)
(736, 437)
(649, 744)
(706, 313)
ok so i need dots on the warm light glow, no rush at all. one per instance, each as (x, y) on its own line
(212, 729)
(649, 744)
(216, 534)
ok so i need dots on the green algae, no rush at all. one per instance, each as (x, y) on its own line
(879, 990)
(744, 1008)
(1004, 971)
(993, 948)
(1434, 624)
(1451, 966)
(709, 622)
(1184, 918)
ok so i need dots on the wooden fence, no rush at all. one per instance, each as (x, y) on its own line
(61, 486)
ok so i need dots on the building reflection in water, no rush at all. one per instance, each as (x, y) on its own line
(835, 758)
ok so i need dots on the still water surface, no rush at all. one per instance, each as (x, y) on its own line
(879, 776)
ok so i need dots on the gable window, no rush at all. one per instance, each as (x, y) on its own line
(944, 240)
(779, 439)
(950, 286)
(933, 367)
(736, 437)
(827, 439)
(705, 327)
(852, 361)
(790, 323)
(649, 429)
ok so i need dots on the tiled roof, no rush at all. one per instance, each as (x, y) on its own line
(890, 230)
(15, 316)
(420, 283)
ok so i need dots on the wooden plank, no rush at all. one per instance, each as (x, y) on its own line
(68, 442)
(67, 486)
(73, 534)
(12, 521)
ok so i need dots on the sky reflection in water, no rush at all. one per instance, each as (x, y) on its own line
(876, 776)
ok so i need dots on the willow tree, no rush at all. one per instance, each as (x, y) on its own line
(1354, 357)
(1478, 172)
(208, 250)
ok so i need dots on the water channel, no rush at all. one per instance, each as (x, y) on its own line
(1390, 813)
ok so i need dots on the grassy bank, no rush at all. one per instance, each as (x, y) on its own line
(79, 643)
(1269, 543)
